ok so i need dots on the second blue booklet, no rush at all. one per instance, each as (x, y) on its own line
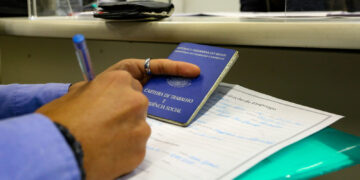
(178, 100)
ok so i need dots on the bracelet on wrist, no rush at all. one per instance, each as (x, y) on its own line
(75, 147)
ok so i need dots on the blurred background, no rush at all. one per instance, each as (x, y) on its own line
(61, 7)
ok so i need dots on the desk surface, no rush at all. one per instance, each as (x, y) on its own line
(334, 33)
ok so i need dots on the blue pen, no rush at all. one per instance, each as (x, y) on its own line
(83, 57)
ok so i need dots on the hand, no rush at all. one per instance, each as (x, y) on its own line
(107, 115)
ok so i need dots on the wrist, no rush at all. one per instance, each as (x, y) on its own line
(75, 147)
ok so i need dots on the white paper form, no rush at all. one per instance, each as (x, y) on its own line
(236, 129)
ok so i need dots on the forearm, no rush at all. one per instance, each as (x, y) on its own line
(16, 99)
(31, 147)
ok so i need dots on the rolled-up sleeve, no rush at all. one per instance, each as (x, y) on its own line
(19, 99)
(31, 147)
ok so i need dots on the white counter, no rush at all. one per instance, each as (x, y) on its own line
(338, 33)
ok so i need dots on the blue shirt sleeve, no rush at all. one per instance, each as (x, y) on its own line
(31, 147)
(19, 99)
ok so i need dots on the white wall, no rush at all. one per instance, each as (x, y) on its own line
(191, 6)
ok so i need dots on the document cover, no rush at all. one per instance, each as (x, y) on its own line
(177, 100)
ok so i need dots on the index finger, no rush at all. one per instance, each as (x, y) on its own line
(173, 68)
(157, 67)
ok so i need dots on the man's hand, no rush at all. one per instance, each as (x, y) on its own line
(107, 115)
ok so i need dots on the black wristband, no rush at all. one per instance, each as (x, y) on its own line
(75, 147)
